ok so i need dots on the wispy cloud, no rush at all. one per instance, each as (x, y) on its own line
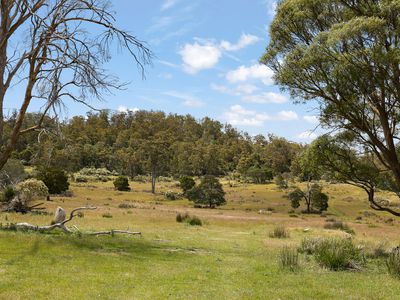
(254, 72)
(168, 4)
(266, 98)
(124, 109)
(307, 135)
(188, 100)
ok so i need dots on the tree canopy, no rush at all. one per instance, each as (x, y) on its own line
(345, 56)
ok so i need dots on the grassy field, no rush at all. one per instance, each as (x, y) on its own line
(230, 257)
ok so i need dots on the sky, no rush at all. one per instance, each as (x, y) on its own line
(206, 55)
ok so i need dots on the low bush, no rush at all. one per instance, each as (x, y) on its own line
(171, 195)
(338, 254)
(377, 251)
(191, 220)
(393, 262)
(338, 225)
(288, 259)
(7, 194)
(279, 232)
(107, 215)
(121, 183)
(55, 179)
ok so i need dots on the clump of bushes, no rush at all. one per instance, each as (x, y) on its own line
(126, 206)
(55, 179)
(191, 220)
(334, 253)
(121, 183)
(94, 174)
(186, 183)
(288, 259)
(171, 195)
(338, 225)
(107, 215)
(279, 232)
(393, 262)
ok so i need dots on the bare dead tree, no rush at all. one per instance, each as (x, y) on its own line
(62, 226)
(56, 50)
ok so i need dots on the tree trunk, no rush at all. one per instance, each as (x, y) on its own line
(153, 180)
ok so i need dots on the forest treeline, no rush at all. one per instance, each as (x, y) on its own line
(154, 143)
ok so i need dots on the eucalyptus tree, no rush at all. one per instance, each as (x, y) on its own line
(344, 55)
(54, 50)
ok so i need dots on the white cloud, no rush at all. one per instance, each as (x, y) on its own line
(244, 89)
(165, 76)
(188, 100)
(244, 41)
(198, 57)
(168, 4)
(267, 97)
(311, 119)
(205, 54)
(287, 115)
(257, 72)
(238, 115)
(307, 135)
(124, 109)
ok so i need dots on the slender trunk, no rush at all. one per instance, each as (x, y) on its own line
(153, 180)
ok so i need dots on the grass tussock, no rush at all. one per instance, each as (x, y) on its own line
(279, 232)
(191, 220)
(338, 254)
(393, 263)
(288, 259)
(333, 224)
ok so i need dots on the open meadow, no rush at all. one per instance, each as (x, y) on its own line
(231, 256)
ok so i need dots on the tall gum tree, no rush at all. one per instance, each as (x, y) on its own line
(345, 55)
(54, 50)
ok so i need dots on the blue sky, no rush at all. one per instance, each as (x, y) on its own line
(206, 64)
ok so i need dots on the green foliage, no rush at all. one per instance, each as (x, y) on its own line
(288, 259)
(309, 245)
(208, 192)
(259, 174)
(121, 183)
(7, 194)
(171, 195)
(55, 179)
(107, 215)
(281, 182)
(32, 189)
(393, 263)
(93, 174)
(186, 183)
(315, 199)
(279, 232)
(339, 254)
(12, 173)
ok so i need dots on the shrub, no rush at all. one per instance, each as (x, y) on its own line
(338, 225)
(191, 220)
(55, 179)
(288, 259)
(182, 217)
(393, 262)
(7, 194)
(32, 189)
(195, 221)
(377, 251)
(281, 182)
(12, 173)
(208, 192)
(338, 254)
(122, 183)
(170, 195)
(107, 215)
(279, 232)
(186, 183)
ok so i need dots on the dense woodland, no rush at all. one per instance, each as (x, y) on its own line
(154, 143)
